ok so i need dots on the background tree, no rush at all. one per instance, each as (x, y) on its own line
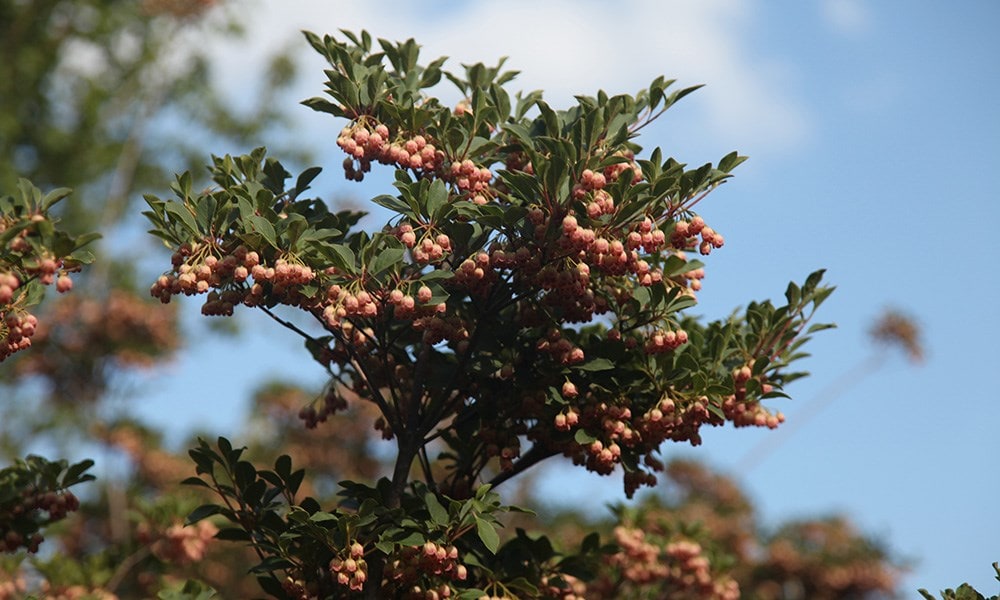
(88, 93)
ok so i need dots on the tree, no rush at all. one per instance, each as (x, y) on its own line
(525, 299)
(528, 289)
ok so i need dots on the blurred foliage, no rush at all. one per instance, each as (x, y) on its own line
(91, 92)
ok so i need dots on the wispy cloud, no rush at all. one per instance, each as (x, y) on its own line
(847, 17)
(571, 46)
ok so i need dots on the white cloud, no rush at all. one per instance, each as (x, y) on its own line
(571, 46)
(847, 17)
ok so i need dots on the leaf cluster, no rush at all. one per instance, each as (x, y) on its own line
(33, 496)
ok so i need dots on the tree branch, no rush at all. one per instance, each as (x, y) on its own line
(529, 459)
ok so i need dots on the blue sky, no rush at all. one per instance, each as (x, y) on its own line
(874, 135)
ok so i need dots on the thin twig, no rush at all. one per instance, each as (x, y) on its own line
(125, 566)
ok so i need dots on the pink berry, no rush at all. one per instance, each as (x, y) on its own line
(64, 284)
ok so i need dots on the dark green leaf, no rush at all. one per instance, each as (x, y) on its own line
(387, 258)
(233, 534)
(439, 514)
(258, 224)
(181, 214)
(487, 534)
(202, 512)
(597, 364)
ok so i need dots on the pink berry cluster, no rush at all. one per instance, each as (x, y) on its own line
(404, 303)
(184, 544)
(199, 267)
(689, 280)
(43, 266)
(501, 443)
(588, 252)
(343, 303)
(16, 330)
(685, 235)
(13, 586)
(562, 586)
(350, 569)
(472, 181)
(232, 278)
(679, 566)
(475, 274)
(9, 283)
(332, 403)
(615, 171)
(617, 429)
(74, 592)
(441, 327)
(589, 182)
(364, 144)
(614, 423)
(560, 348)
(40, 507)
(749, 414)
(660, 341)
(17, 326)
(429, 248)
(425, 572)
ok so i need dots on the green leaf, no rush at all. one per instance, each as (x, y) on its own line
(295, 480)
(598, 364)
(202, 512)
(387, 258)
(437, 198)
(233, 534)
(411, 539)
(715, 410)
(343, 257)
(181, 214)
(283, 466)
(392, 203)
(322, 517)
(75, 473)
(258, 224)
(437, 275)
(305, 178)
(439, 514)
(487, 534)
(196, 481)
(55, 196)
(731, 161)
(582, 437)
